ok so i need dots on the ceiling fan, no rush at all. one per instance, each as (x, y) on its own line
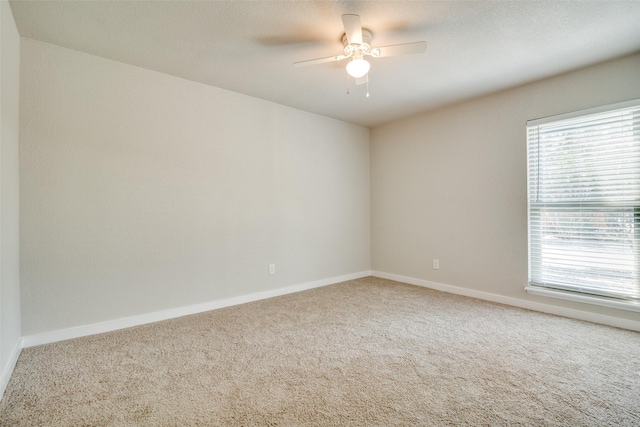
(357, 45)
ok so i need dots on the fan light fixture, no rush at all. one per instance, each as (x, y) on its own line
(358, 67)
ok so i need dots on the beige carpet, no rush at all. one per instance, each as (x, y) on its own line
(365, 352)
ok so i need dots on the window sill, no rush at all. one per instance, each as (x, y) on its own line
(587, 299)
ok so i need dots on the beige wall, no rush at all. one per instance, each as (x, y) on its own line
(142, 192)
(9, 195)
(451, 184)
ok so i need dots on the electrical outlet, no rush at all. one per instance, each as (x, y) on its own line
(272, 269)
(436, 264)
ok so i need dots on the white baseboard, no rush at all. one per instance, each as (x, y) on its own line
(127, 322)
(112, 325)
(529, 305)
(7, 370)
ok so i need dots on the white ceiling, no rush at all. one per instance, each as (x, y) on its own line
(249, 47)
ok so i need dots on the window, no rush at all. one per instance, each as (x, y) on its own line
(584, 205)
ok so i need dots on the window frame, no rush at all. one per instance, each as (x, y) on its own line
(567, 293)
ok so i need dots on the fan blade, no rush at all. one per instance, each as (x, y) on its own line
(362, 80)
(400, 49)
(352, 28)
(320, 60)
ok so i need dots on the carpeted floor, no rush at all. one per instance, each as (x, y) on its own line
(364, 352)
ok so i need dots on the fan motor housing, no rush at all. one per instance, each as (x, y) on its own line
(365, 47)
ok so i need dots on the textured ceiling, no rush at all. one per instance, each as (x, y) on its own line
(249, 47)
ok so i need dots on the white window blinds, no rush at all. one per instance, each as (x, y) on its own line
(584, 202)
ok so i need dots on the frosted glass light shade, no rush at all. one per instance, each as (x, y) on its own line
(358, 67)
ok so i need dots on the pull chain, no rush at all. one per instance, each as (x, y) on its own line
(349, 86)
